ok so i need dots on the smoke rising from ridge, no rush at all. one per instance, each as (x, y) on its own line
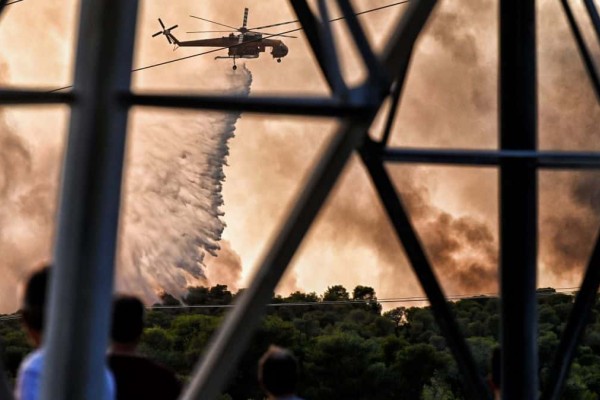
(569, 121)
(450, 100)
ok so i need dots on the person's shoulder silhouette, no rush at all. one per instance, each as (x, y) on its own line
(136, 377)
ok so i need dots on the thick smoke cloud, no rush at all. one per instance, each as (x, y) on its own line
(569, 116)
(27, 205)
(172, 222)
(450, 100)
(461, 249)
(455, 66)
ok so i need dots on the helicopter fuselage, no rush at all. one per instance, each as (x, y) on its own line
(250, 47)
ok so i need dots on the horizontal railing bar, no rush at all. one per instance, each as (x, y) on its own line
(311, 106)
(544, 159)
(18, 96)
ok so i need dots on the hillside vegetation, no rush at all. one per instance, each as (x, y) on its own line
(347, 349)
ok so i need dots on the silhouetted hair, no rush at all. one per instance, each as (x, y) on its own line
(278, 371)
(128, 319)
(34, 300)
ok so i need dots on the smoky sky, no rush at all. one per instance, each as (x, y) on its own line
(450, 101)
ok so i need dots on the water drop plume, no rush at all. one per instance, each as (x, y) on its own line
(172, 214)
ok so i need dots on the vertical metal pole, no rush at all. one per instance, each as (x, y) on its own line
(518, 200)
(80, 297)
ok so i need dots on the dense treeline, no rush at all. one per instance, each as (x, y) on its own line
(346, 349)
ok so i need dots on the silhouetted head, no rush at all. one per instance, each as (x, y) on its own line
(278, 372)
(34, 303)
(128, 320)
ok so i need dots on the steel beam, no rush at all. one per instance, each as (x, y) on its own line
(2, 5)
(594, 16)
(578, 319)
(492, 158)
(395, 101)
(232, 338)
(376, 73)
(314, 34)
(329, 52)
(316, 106)
(230, 341)
(400, 46)
(588, 61)
(518, 201)
(76, 335)
(474, 386)
(19, 96)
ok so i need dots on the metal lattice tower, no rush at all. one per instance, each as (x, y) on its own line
(90, 196)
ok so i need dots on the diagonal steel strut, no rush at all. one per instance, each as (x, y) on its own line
(239, 325)
(230, 341)
(578, 319)
(586, 55)
(474, 383)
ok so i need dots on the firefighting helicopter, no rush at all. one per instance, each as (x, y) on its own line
(249, 43)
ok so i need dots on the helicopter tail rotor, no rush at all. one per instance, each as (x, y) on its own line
(167, 32)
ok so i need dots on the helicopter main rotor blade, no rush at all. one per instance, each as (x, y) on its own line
(334, 19)
(211, 31)
(253, 40)
(272, 25)
(161, 23)
(173, 27)
(213, 22)
(157, 33)
(275, 34)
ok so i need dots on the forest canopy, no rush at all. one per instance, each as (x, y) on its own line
(346, 346)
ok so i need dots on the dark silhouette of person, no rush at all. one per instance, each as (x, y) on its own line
(137, 377)
(278, 374)
(29, 377)
(495, 373)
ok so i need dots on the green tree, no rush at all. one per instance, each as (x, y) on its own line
(336, 293)
(367, 294)
(416, 365)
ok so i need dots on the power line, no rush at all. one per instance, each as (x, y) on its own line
(413, 299)
(243, 43)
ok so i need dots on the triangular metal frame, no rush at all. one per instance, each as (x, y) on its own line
(90, 194)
